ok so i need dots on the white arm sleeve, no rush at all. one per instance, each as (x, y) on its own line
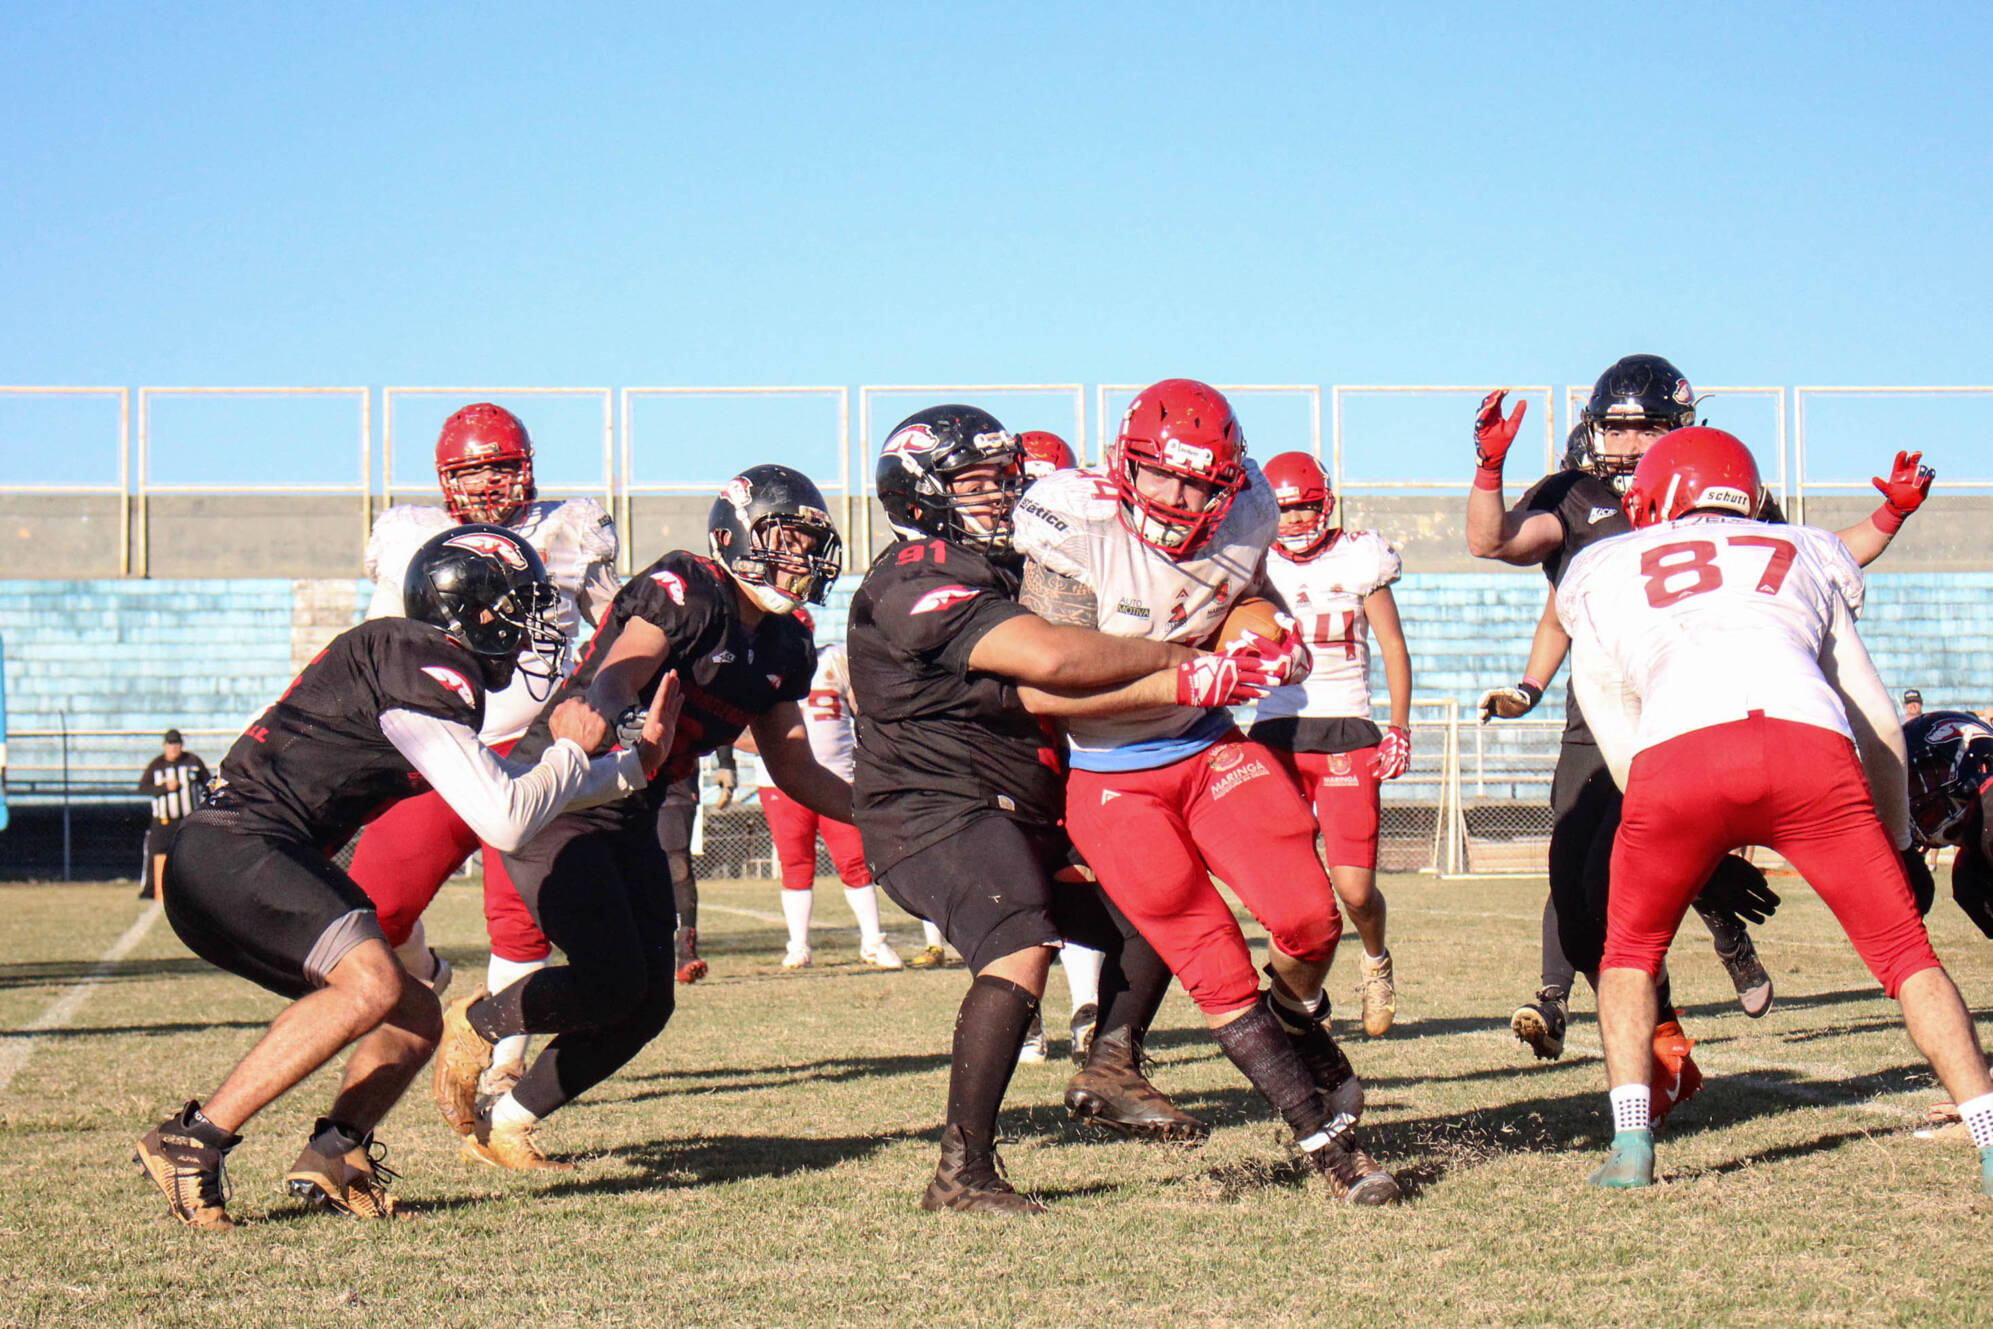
(506, 803)
(1872, 715)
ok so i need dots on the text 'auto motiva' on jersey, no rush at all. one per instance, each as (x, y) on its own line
(1326, 594)
(316, 766)
(1070, 522)
(727, 674)
(939, 745)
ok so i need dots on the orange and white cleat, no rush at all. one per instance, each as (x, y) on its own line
(1676, 1078)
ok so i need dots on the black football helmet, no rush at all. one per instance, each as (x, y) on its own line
(771, 529)
(1951, 759)
(919, 463)
(1644, 388)
(485, 586)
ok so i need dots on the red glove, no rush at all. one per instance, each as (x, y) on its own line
(1908, 485)
(1224, 679)
(1394, 753)
(1492, 434)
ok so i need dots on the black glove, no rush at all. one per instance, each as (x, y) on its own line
(1922, 888)
(1972, 887)
(1740, 888)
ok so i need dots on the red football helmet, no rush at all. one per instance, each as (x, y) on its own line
(490, 440)
(1298, 482)
(1045, 453)
(1186, 429)
(1692, 468)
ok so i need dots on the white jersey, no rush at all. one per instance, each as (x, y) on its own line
(1070, 522)
(1325, 594)
(1705, 620)
(576, 540)
(829, 713)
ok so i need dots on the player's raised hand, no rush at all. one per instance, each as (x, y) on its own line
(1908, 485)
(1394, 753)
(660, 724)
(577, 720)
(1493, 435)
(1509, 703)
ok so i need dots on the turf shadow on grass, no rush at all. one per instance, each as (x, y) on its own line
(61, 973)
(143, 1030)
(702, 1160)
(735, 1079)
(1786, 1002)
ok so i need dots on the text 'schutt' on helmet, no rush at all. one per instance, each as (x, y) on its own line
(1186, 429)
(1694, 469)
(484, 461)
(772, 530)
(1045, 452)
(485, 586)
(1641, 390)
(1298, 481)
(918, 467)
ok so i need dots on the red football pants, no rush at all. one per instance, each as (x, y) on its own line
(1342, 786)
(795, 829)
(408, 852)
(1154, 839)
(1794, 788)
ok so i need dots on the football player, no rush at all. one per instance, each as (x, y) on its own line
(958, 789)
(1042, 452)
(391, 707)
(1159, 548)
(484, 463)
(1717, 659)
(829, 716)
(1337, 582)
(1635, 401)
(597, 881)
(1951, 797)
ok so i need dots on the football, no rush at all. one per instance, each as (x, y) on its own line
(1251, 614)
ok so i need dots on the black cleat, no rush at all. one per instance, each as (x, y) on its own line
(187, 1160)
(1540, 1023)
(970, 1180)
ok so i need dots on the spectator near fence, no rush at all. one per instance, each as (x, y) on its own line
(177, 781)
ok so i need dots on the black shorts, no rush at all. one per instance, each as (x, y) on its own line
(273, 911)
(1312, 733)
(159, 837)
(989, 888)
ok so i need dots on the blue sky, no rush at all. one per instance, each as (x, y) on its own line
(763, 194)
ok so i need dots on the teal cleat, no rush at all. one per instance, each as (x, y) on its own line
(1986, 1169)
(1630, 1164)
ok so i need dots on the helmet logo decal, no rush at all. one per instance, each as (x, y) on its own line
(1187, 456)
(452, 680)
(738, 492)
(1683, 394)
(914, 439)
(674, 585)
(492, 546)
(1949, 729)
(942, 598)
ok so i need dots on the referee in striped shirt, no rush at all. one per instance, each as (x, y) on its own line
(177, 782)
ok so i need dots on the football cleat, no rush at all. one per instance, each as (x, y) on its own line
(1676, 1078)
(929, 957)
(512, 1147)
(461, 1058)
(797, 957)
(346, 1178)
(1034, 1048)
(1540, 1023)
(1111, 1091)
(881, 954)
(1747, 975)
(187, 1161)
(1986, 1169)
(440, 973)
(971, 1181)
(1084, 1020)
(1379, 995)
(690, 967)
(1353, 1175)
(1629, 1164)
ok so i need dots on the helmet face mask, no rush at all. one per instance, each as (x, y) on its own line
(771, 531)
(931, 455)
(1178, 428)
(1300, 486)
(484, 463)
(1633, 403)
(485, 586)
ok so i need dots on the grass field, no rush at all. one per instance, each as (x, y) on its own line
(760, 1164)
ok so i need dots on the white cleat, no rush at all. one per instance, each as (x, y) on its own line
(796, 957)
(881, 954)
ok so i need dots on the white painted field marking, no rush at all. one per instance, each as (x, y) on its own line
(14, 1053)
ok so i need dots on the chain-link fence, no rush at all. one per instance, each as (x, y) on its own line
(1501, 796)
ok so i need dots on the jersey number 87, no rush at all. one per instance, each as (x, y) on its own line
(1664, 564)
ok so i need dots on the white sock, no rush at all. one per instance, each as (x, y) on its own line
(1082, 965)
(864, 902)
(932, 933)
(1375, 960)
(506, 1112)
(500, 974)
(1632, 1107)
(1977, 1114)
(796, 906)
(415, 955)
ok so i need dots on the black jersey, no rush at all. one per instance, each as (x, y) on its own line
(939, 744)
(316, 767)
(727, 674)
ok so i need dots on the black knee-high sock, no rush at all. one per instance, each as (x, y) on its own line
(1558, 972)
(1258, 1047)
(989, 1029)
(684, 889)
(1132, 987)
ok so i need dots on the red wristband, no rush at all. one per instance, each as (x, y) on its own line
(1485, 478)
(1888, 519)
